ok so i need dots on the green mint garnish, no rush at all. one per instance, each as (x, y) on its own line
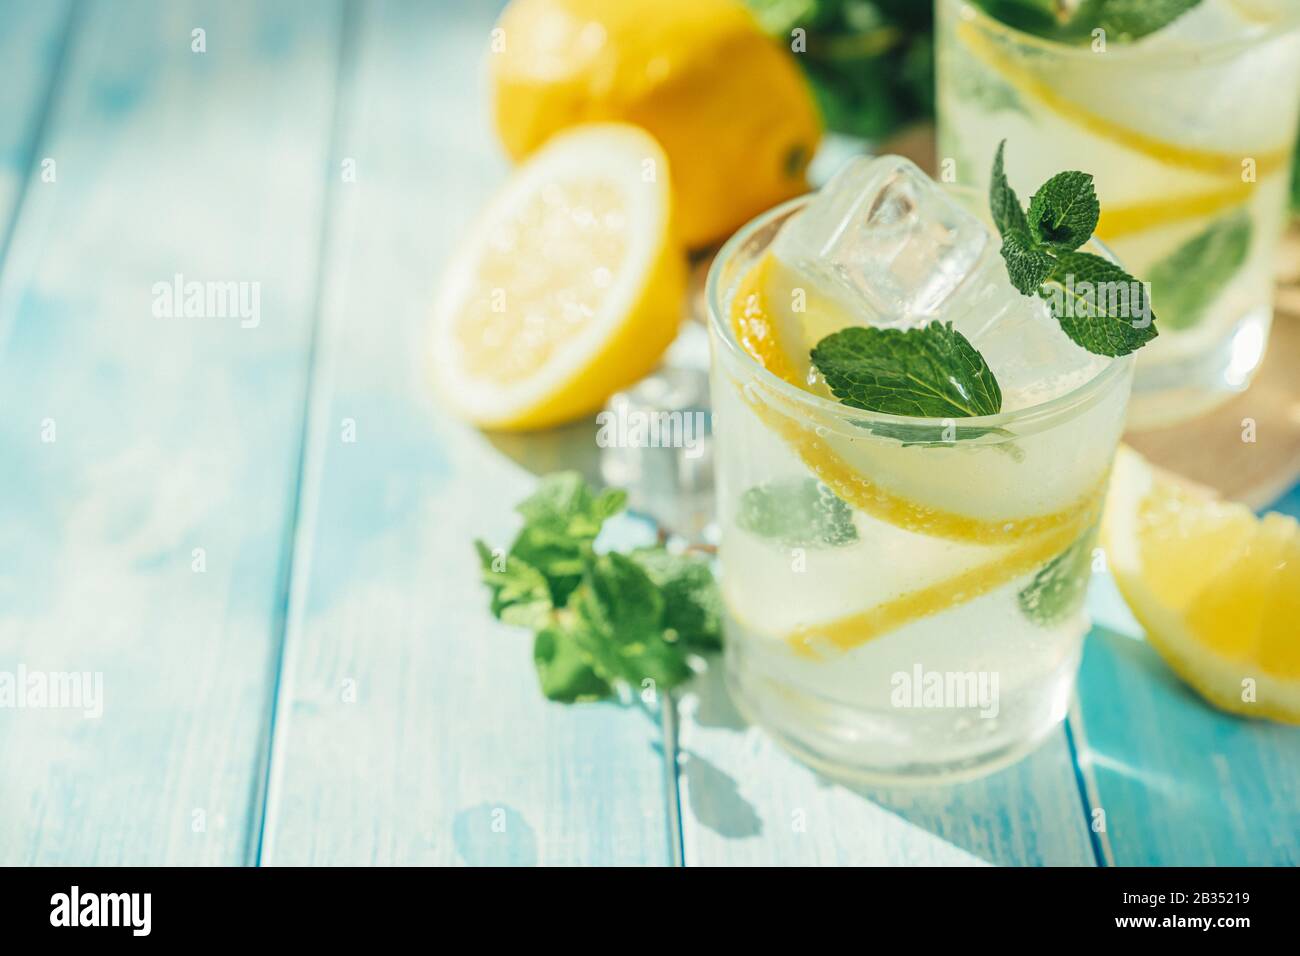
(1189, 279)
(1099, 320)
(1099, 305)
(601, 620)
(1008, 215)
(1122, 20)
(802, 513)
(1057, 590)
(1028, 265)
(1064, 212)
(926, 372)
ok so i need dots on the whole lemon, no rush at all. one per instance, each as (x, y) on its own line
(729, 106)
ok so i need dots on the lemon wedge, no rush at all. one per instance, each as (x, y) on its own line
(1216, 588)
(569, 288)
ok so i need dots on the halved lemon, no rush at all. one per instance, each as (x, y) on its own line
(569, 288)
(1216, 588)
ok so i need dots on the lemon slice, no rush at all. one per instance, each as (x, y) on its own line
(568, 288)
(1124, 220)
(1216, 588)
(1028, 83)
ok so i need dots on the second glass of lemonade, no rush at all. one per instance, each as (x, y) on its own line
(904, 596)
(1189, 132)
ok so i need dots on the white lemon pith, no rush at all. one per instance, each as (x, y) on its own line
(568, 288)
(1216, 588)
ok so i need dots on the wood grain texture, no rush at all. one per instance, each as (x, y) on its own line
(447, 753)
(129, 440)
(1180, 783)
(32, 43)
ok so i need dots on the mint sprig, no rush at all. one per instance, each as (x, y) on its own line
(926, 372)
(601, 619)
(1099, 305)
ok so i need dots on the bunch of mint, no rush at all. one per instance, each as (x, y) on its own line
(601, 619)
(870, 63)
(1074, 22)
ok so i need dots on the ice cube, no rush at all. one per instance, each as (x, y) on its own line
(884, 238)
(891, 247)
(1032, 358)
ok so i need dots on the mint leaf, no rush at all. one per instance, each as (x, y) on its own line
(627, 603)
(1189, 279)
(624, 611)
(1027, 263)
(1063, 213)
(520, 594)
(802, 513)
(561, 521)
(564, 504)
(1123, 20)
(564, 670)
(692, 605)
(1099, 305)
(1133, 19)
(1008, 216)
(928, 372)
(1057, 590)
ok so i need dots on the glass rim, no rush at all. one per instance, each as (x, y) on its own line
(1216, 49)
(721, 328)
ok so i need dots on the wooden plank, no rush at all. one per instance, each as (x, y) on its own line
(130, 440)
(32, 39)
(1181, 784)
(745, 802)
(409, 726)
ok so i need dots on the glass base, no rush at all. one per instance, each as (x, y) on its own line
(899, 746)
(1169, 392)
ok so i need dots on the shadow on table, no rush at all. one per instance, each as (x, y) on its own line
(995, 819)
(568, 448)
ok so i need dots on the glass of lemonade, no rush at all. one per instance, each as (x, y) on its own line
(1189, 133)
(904, 596)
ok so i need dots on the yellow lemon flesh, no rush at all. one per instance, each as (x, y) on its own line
(569, 287)
(728, 105)
(1216, 588)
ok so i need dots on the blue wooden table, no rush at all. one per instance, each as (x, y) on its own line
(258, 532)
